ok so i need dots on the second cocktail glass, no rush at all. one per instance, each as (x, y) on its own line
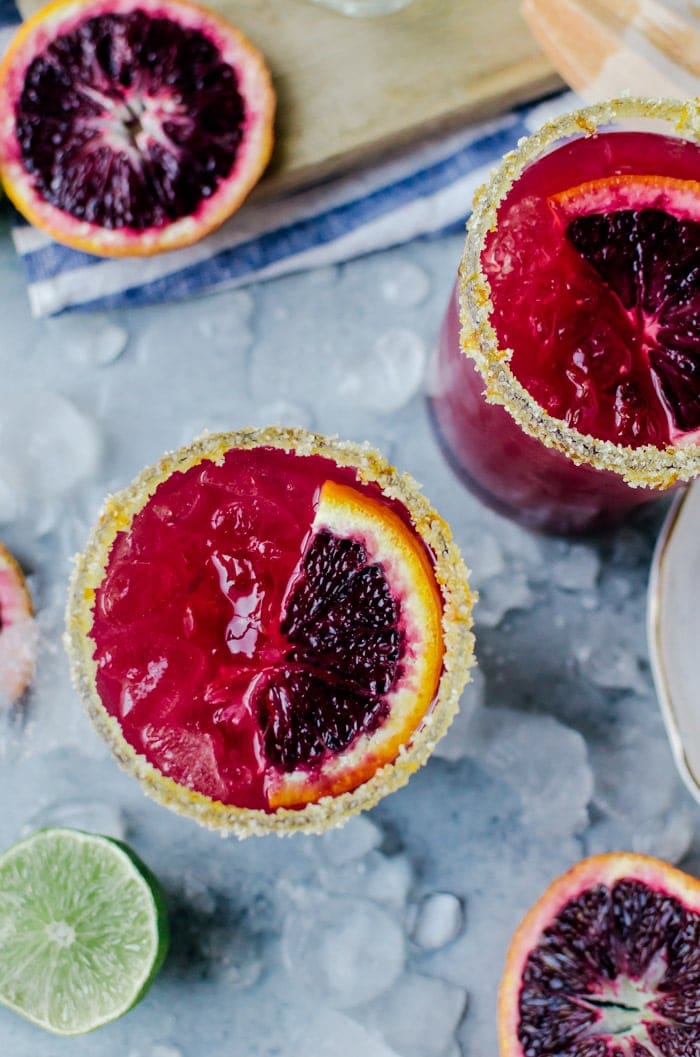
(566, 389)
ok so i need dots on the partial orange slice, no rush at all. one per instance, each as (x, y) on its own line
(678, 198)
(606, 964)
(132, 126)
(381, 641)
(17, 632)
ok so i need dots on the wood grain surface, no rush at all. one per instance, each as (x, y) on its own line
(350, 88)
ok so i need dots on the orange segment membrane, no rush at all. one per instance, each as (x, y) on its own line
(255, 629)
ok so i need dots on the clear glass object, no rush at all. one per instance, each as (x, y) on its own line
(518, 458)
(363, 8)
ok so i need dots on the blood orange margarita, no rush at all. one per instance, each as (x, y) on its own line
(271, 629)
(567, 385)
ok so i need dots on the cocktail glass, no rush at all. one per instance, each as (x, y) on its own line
(518, 456)
(271, 629)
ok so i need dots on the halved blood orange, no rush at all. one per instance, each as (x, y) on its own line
(272, 629)
(613, 306)
(16, 629)
(606, 964)
(131, 126)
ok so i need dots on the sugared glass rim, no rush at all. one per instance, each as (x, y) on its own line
(646, 466)
(451, 575)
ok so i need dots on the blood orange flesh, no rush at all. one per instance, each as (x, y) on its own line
(606, 964)
(594, 272)
(268, 629)
(133, 126)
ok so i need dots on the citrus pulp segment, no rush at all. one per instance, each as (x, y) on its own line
(606, 964)
(131, 127)
(83, 930)
(271, 628)
(17, 632)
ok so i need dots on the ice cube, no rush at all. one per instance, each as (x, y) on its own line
(437, 921)
(225, 321)
(13, 496)
(485, 555)
(354, 840)
(634, 750)
(385, 879)
(578, 570)
(328, 1033)
(501, 595)
(344, 951)
(610, 664)
(457, 742)
(390, 375)
(93, 816)
(545, 762)
(92, 340)
(157, 1049)
(51, 444)
(418, 1016)
(405, 285)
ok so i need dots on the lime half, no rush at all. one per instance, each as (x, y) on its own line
(83, 930)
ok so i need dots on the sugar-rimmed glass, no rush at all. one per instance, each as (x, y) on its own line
(505, 446)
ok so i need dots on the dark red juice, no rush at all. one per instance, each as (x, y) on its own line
(189, 621)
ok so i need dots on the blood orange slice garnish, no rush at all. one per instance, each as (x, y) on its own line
(596, 289)
(262, 632)
(17, 632)
(606, 964)
(132, 126)
(364, 624)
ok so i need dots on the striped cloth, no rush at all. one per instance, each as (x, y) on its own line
(424, 191)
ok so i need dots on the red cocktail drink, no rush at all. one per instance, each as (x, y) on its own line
(271, 629)
(567, 385)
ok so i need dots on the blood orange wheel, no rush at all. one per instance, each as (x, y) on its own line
(131, 127)
(614, 305)
(271, 629)
(16, 629)
(606, 964)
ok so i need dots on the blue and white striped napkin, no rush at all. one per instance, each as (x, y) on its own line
(426, 190)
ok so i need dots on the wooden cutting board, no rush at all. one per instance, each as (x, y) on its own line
(351, 88)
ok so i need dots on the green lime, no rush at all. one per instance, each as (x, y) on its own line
(83, 930)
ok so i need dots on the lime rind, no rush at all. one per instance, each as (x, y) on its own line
(83, 930)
